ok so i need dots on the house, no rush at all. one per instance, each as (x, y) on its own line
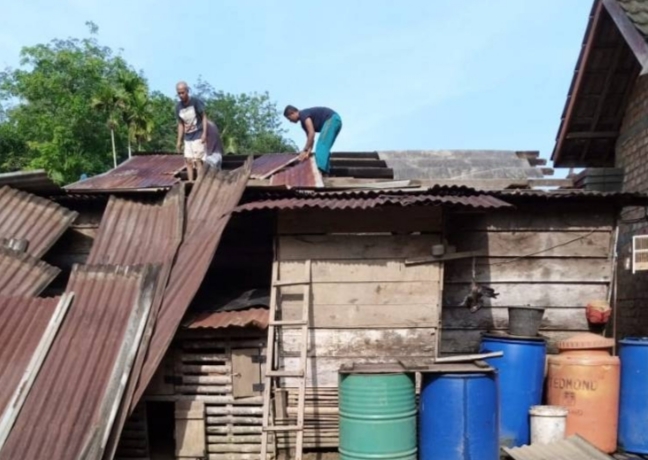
(605, 125)
(377, 295)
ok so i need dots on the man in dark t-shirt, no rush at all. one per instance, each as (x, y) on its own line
(192, 127)
(317, 120)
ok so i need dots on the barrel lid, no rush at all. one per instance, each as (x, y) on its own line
(585, 341)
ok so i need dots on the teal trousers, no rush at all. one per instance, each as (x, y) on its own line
(325, 142)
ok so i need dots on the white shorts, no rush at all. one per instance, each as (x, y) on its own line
(194, 150)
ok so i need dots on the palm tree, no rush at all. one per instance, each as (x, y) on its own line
(135, 110)
(109, 101)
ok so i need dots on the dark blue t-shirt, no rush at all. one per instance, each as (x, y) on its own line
(318, 115)
(191, 116)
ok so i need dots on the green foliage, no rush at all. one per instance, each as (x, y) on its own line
(61, 107)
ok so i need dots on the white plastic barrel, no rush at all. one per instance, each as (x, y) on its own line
(547, 424)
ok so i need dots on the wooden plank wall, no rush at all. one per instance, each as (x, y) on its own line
(366, 305)
(202, 371)
(133, 443)
(563, 279)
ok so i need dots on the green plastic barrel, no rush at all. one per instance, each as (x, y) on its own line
(377, 416)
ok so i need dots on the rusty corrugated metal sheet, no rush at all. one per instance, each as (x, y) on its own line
(476, 202)
(269, 162)
(303, 174)
(254, 317)
(572, 448)
(23, 321)
(64, 407)
(136, 233)
(136, 173)
(39, 221)
(209, 209)
(23, 275)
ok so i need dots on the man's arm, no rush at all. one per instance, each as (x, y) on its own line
(180, 134)
(310, 139)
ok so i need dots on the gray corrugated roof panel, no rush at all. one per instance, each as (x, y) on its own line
(459, 164)
(209, 208)
(572, 448)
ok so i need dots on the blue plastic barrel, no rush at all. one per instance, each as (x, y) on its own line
(458, 417)
(633, 404)
(521, 377)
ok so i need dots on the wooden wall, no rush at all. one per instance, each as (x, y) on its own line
(552, 257)
(366, 305)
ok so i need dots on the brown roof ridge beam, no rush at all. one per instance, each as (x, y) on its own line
(635, 40)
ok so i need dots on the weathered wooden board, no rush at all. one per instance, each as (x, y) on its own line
(539, 220)
(246, 372)
(555, 319)
(389, 219)
(368, 293)
(323, 372)
(353, 271)
(467, 341)
(354, 316)
(540, 244)
(348, 247)
(190, 429)
(546, 270)
(534, 294)
(347, 343)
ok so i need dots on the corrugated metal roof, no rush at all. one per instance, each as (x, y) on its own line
(136, 233)
(254, 317)
(62, 411)
(37, 220)
(23, 275)
(476, 202)
(136, 173)
(23, 321)
(37, 182)
(209, 208)
(618, 198)
(303, 174)
(268, 163)
(572, 448)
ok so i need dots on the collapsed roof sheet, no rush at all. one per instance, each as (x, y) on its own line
(65, 411)
(136, 173)
(209, 208)
(136, 233)
(23, 275)
(23, 321)
(27, 217)
(270, 162)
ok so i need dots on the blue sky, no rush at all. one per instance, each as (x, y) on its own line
(413, 74)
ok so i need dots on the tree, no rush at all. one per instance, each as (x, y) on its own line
(49, 106)
(108, 101)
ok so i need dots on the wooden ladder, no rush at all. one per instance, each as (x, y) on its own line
(273, 374)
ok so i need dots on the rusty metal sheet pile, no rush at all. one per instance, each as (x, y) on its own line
(303, 174)
(270, 162)
(254, 317)
(23, 275)
(136, 173)
(209, 209)
(27, 217)
(66, 405)
(23, 321)
(572, 448)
